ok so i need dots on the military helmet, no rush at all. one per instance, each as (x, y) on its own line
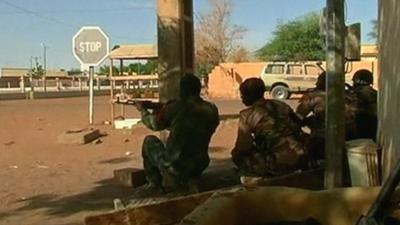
(363, 77)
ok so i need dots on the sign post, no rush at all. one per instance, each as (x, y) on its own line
(90, 46)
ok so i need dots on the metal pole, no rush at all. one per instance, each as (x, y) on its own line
(44, 66)
(334, 122)
(31, 76)
(91, 98)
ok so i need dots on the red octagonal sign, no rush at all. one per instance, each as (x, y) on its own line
(90, 46)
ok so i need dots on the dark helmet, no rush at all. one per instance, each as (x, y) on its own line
(251, 90)
(190, 85)
(321, 82)
(362, 78)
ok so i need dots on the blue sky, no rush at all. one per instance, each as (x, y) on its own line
(27, 23)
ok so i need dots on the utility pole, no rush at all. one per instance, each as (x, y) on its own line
(45, 47)
(31, 75)
(334, 122)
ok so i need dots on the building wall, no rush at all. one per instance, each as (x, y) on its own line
(224, 79)
(389, 82)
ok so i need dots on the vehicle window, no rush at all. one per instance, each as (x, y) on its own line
(312, 70)
(295, 69)
(277, 69)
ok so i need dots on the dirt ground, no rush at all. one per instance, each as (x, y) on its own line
(46, 183)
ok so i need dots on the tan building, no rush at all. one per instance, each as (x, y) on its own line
(224, 79)
(13, 72)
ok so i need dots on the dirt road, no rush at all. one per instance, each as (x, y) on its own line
(46, 183)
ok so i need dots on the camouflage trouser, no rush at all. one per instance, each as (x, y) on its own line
(160, 172)
(285, 158)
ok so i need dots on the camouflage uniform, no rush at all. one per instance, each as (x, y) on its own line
(311, 110)
(191, 123)
(268, 141)
(366, 118)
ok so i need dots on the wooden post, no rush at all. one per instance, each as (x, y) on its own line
(111, 92)
(334, 122)
(121, 73)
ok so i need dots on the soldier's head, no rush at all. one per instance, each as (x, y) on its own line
(321, 82)
(363, 78)
(251, 90)
(190, 85)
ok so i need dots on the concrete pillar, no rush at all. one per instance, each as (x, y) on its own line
(175, 45)
(22, 84)
(58, 84)
(98, 83)
(80, 83)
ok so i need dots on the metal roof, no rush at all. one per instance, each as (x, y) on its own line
(134, 52)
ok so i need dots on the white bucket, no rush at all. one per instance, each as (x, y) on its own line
(362, 155)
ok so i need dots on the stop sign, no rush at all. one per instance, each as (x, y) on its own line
(90, 46)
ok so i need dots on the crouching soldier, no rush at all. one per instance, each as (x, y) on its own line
(311, 110)
(191, 122)
(269, 139)
(366, 98)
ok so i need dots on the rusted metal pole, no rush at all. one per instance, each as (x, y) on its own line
(334, 123)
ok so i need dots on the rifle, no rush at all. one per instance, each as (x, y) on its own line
(375, 215)
(155, 106)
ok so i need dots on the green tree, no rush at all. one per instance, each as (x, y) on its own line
(295, 40)
(374, 34)
(105, 70)
(38, 71)
(74, 72)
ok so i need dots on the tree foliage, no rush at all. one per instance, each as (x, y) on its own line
(295, 40)
(216, 38)
(373, 35)
(74, 72)
(37, 71)
(149, 67)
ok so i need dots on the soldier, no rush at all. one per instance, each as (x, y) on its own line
(366, 97)
(191, 122)
(269, 135)
(311, 110)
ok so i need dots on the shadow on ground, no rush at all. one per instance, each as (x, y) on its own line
(99, 198)
(219, 174)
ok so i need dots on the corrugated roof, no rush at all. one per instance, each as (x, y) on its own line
(134, 52)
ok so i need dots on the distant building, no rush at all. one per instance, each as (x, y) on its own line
(10, 72)
(13, 72)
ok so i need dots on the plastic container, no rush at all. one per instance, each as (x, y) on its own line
(363, 158)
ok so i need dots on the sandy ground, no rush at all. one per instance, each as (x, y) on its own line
(46, 183)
